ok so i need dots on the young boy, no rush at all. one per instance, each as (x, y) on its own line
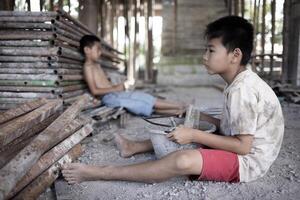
(115, 95)
(251, 128)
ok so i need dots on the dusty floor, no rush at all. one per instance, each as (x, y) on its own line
(281, 182)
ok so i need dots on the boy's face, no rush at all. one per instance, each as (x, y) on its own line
(216, 58)
(93, 52)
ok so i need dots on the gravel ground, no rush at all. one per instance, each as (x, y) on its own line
(281, 182)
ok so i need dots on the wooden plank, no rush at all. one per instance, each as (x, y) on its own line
(51, 157)
(9, 154)
(21, 110)
(34, 130)
(40, 184)
(16, 127)
(61, 128)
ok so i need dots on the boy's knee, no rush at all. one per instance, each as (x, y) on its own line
(184, 161)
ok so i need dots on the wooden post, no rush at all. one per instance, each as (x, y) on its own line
(174, 35)
(51, 5)
(28, 5)
(243, 8)
(236, 7)
(286, 40)
(88, 14)
(7, 5)
(149, 55)
(135, 38)
(273, 13)
(230, 7)
(263, 34)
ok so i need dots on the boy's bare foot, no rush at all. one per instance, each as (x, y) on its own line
(124, 145)
(77, 172)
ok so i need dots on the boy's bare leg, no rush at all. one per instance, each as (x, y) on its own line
(184, 162)
(167, 105)
(170, 111)
(128, 148)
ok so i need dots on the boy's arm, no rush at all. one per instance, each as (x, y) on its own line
(89, 78)
(239, 144)
(205, 117)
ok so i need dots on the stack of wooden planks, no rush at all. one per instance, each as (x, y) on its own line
(36, 138)
(39, 57)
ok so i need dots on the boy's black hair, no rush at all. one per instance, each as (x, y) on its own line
(87, 41)
(235, 32)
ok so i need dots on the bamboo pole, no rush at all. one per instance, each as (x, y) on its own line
(13, 171)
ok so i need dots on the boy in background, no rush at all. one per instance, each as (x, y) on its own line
(119, 95)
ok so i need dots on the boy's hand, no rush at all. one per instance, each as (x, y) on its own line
(129, 85)
(181, 135)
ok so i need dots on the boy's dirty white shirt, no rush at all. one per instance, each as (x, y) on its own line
(251, 107)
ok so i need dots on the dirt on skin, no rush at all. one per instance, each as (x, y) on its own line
(281, 182)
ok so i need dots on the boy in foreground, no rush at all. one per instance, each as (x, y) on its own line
(251, 127)
(138, 103)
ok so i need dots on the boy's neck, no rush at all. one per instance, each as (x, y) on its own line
(230, 75)
(90, 61)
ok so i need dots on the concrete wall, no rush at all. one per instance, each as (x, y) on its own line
(189, 24)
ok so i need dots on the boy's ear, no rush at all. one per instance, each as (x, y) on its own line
(237, 55)
(86, 50)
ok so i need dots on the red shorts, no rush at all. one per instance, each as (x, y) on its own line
(219, 165)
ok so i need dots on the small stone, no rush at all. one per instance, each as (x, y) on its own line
(94, 139)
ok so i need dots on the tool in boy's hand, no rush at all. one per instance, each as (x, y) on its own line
(166, 132)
